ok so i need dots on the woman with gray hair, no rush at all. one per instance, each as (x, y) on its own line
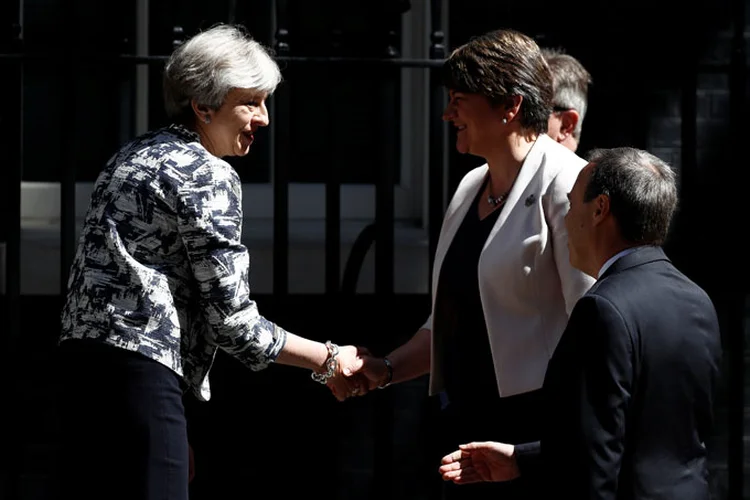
(160, 282)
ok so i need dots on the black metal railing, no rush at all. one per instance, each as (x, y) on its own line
(14, 60)
(11, 133)
(11, 130)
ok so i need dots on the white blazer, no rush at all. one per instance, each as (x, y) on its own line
(526, 283)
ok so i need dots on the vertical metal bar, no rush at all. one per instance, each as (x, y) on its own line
(141, 70)
(384, 262)
(437, 133)
(11, 129)
(689, 133)
(738, 107)
(384, 189)
(231, 11)
(69, 68)
(384, 195)
(437, 158)
(333, 191)
(334, 299)
(281, 156)
(333, 226)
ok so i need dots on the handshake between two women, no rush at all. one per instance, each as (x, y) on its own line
(357, 372)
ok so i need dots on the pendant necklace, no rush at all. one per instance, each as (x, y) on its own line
(494, 201)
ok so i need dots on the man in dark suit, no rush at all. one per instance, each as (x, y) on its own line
(629, 390)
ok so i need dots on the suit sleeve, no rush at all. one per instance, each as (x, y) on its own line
(528, 457)
(603, 393)
(209, 214)
(574, 282)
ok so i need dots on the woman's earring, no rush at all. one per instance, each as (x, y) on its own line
(505, 121)
(207, 119)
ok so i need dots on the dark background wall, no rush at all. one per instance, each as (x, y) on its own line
(663, 80)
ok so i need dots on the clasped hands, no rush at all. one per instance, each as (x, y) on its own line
(358, 373)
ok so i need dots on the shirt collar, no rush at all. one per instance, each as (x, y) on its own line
(614, 258)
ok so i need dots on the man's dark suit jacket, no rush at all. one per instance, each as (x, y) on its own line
(630, 388)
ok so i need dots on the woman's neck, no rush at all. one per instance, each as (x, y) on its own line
(505, 162)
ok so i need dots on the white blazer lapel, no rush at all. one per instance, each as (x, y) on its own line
(530, 165)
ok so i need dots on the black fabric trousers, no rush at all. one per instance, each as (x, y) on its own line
(122, 428)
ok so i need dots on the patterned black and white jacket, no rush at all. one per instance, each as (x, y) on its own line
(160, 268)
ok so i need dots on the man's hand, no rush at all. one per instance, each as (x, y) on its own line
(480, 461)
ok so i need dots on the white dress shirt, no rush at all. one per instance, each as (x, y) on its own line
(614, 258)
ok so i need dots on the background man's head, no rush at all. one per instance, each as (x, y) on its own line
(570, 83)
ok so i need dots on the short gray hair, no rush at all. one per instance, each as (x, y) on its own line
(212, 63)
(642, 191)
(570, 84)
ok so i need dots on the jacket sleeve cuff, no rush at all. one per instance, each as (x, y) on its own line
(528, 457)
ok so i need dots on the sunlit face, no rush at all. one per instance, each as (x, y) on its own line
(578, 222)
(232, 126)
(477, 122)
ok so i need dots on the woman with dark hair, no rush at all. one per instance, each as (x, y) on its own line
(503, 286)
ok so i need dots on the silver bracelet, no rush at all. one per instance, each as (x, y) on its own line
(331, 364)
(389, 378)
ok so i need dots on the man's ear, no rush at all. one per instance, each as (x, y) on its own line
(601, 208)
(569, 119)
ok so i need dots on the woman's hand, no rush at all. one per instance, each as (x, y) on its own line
(345, 383)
